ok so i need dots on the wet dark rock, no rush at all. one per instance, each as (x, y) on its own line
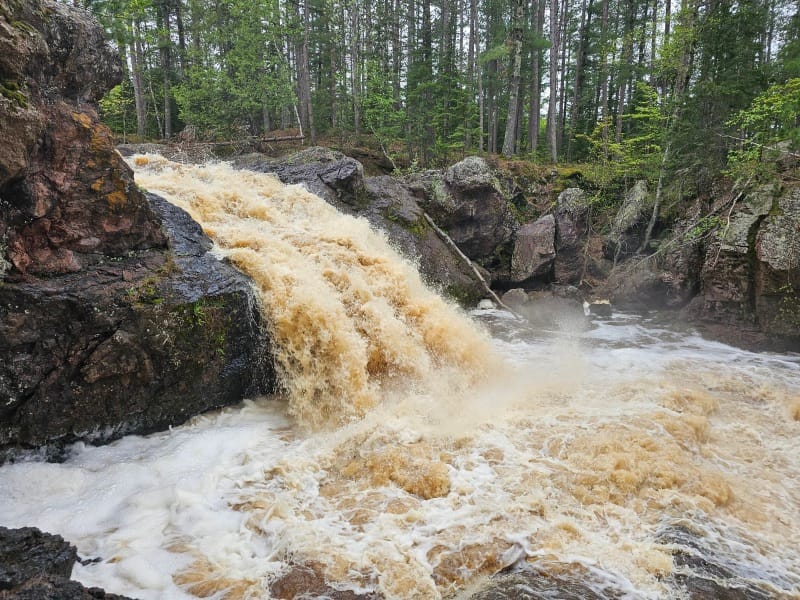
(132, 346)
(36, 566)
(26, 553)
(571, 220)
(598, 308)
(307, 581)
(556, 582)
(534, 250)
(702, 573)
(329, 174)
(57, 588)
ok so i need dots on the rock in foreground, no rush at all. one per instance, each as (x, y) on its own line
(37, 566)
(114, 318)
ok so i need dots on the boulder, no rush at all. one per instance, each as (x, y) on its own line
(37, 566)
(472, 174)
(467, 203)
(630, 223)
(334, 177)
(571, 221)
(515, 297)
(132, 346)
(27, 552)
(392, 208)
(534, 250)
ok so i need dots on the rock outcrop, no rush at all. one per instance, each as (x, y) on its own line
(572, 223)
(114, 318)
(630, 223)
(729, 266)
(534, 250)
(390, 204)
(750, 276)
(466, 202)
(37, 566)
(133, 345)
(66, 197)
(334, 177)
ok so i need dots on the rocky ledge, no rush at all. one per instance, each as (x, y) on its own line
(132, 345)
(114, 316)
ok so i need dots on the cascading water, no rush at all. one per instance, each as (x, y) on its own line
(413, 454)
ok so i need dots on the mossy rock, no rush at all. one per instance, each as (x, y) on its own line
(15, 93)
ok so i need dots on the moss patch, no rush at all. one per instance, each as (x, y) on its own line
(15, 93)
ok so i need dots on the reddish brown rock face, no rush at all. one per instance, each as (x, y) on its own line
(66, 196)
(99, 285)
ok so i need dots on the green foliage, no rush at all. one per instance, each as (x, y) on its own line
(498, 52)
(404, 76)
(703, 227)
(772, 118)
(789, 55)
(222, 95)
(637, 154)
(118, 110)
(11, 90)
(383, 114)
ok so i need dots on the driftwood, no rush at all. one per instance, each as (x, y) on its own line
(257, 139)
(284, 138)
(449, 241)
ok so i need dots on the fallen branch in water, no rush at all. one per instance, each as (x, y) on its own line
(449, 241)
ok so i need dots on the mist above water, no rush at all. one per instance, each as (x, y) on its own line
(417, 450)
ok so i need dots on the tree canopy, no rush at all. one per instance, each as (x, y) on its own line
(640, 85)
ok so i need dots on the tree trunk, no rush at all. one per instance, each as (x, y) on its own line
(577, 86)
(627, 59)
(552, 117)
(535, 109)
(509, 141)
(604, 83)
(355, 57)
(471, 59)
(181, 39)
(166, 60)
(566, 57)
(139, 97)
(305, 110)
(479, 78)
(309, 108)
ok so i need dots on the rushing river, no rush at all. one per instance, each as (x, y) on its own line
(416, 450)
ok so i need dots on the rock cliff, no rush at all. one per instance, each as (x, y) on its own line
(114, 317)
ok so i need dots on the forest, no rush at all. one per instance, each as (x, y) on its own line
(640, 88)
